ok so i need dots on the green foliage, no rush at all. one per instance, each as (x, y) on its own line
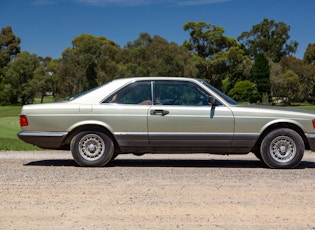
(85, 65)
(269, 37)
(292, 84)
(236, 64)
(216, 56)
(206, 39)
(305, 73)
(18, 79)
(260, 75)
(154, 56)
(9, 46)
(287, 86)
(243, 90)
(207, 53)
(9, 127)
(261, 67)
(43, 78)
(309, 55)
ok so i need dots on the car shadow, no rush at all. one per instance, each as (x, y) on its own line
(55, 162)
(176, 163)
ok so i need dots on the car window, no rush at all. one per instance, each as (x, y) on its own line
(135, 93)
(221, 94)
(179, 93)
(83, 93)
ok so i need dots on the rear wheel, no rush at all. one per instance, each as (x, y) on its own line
(282, 148)
(91, 148)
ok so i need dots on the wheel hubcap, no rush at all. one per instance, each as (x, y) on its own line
(91, 147)
(283, 149)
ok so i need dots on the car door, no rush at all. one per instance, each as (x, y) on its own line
(125, 112)
(181, 119)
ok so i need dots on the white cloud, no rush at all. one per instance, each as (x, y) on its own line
(148, 2)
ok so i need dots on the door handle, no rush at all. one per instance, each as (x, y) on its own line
(160, 112)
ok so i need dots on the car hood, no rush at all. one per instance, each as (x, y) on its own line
(278, 111)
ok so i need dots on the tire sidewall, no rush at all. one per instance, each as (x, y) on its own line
(105, 157)
(267, 155)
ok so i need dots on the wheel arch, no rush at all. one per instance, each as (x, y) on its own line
(279, 125)
(91, 127)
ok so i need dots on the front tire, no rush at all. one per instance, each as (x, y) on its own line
(282, 148)
(92, 149)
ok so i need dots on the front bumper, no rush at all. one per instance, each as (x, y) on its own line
(46, 140)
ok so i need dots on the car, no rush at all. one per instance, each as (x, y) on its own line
(166, 115)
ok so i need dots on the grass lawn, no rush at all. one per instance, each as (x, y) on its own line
(306, 107)
(9, 127)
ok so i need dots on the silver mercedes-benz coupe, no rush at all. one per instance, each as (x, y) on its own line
(166, 115)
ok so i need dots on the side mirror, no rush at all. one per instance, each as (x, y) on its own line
(212, 100)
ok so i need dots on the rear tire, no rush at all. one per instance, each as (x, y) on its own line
(92, 149)
(282, 148)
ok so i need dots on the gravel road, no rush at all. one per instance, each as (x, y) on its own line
(46, 190)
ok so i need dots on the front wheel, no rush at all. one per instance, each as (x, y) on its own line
(282, 148)
(91, 148)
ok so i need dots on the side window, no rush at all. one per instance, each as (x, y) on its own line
(135, 93)
(179, 93)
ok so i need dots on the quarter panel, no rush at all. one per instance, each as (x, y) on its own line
(128, 123)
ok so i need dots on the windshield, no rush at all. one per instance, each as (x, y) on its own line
(225, 97)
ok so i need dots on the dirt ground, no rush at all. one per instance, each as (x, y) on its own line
(46, 190)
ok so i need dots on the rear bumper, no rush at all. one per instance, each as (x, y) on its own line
(311, 140)
(46, 140)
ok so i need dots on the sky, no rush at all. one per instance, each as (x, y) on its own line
(47, 27)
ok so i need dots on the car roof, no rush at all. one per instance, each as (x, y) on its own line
(98, 94)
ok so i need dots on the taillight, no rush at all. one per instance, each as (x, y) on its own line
(313, 123)
(23, 121)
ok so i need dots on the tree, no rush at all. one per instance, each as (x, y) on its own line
(43, 78)
(206, 39)
(309, 55)
(108, 63)
(51, 69)
(78, 69)
(269, 37)
(287, 86)
(9, 46)
(18, 76)
(243, 90)
(292, 85)
(260, 75)
(305, 72)
(236, 66)
(70, 75)
(154, 56)
(216, 56)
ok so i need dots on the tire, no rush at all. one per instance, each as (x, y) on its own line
(258, 155)
(114, 156)
(92, 149)
(282, 148)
